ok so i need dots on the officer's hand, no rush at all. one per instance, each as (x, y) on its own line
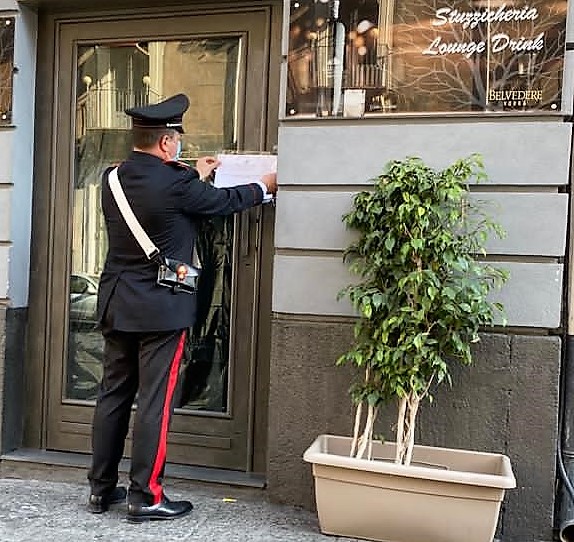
(205, 165)
(270, 181)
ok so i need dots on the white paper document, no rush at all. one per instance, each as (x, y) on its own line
(237, 169)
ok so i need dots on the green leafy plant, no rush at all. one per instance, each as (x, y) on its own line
(423, 291)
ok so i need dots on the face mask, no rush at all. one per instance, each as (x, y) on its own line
(178, 151)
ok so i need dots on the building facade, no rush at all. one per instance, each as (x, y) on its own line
(271, 327)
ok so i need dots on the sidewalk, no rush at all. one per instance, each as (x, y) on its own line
(46, 511)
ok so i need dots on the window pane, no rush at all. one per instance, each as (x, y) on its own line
(6, 68)
(385, 56)
(110, 79)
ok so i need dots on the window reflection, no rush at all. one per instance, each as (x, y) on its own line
(424, 56)
(6, 68)
(109, 80)
(85, 342)
(206, 383)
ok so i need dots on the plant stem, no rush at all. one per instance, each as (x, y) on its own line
(356, 428)
(370, 452)
(413, 409)
(408, 409)
(359, 414)
(366, 433)
(401, 429)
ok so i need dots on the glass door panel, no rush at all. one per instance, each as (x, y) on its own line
(111, 78)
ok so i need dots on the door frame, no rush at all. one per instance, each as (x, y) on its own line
(37, 365)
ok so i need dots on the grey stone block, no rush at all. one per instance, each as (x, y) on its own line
(13, 374)
(533, 437)
(308, 395)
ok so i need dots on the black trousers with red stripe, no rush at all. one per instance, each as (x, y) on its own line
(146, 364)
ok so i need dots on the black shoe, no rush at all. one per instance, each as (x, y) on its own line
(97, 504)
(165, 509)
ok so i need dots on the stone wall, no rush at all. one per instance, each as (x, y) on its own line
(506, 402)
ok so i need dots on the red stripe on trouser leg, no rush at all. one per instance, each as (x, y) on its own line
(154, 485)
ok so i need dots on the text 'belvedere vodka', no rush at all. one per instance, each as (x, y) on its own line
(329, 54)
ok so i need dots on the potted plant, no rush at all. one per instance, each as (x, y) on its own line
(421, 300)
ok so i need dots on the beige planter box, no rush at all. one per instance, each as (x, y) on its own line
(444, 496)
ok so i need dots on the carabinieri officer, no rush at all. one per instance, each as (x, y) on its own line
(143, 323)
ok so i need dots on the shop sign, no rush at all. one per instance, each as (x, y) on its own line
(425, 56)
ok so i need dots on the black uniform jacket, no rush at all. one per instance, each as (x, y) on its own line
(168, 199)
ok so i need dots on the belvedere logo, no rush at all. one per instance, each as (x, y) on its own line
(515, 98)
